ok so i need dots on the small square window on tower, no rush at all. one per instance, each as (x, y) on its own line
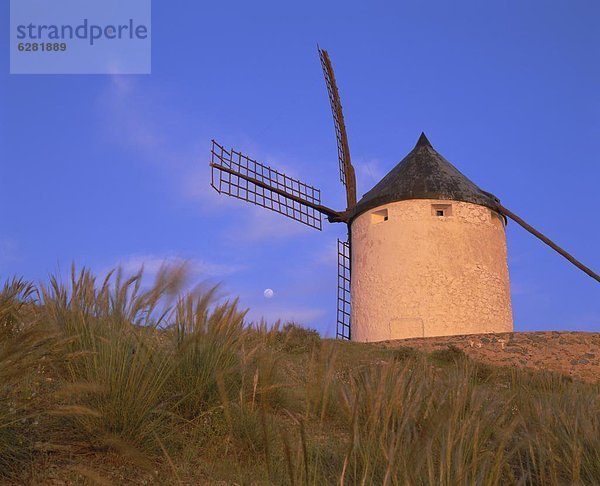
(379, 216)
(441, 210)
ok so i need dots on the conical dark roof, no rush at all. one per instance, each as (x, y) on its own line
(424, 174)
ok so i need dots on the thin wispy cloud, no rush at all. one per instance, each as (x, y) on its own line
(259, 225)
(8, 250)
(131, 121)
(285, 314)
(141, 124)
(196, 189)
(327, 255)
(197, 268)
(149, 132)
(368, 173)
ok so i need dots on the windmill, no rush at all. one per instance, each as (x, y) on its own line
(427, 247)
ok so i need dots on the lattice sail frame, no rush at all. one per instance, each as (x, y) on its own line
(226, 168)
(347, 175)
(343, 330)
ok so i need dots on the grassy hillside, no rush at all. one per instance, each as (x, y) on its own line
(575, 354)
(110, 383)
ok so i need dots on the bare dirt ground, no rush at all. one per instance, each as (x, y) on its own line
(576, 354)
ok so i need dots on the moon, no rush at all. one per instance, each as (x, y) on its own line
(268, 293)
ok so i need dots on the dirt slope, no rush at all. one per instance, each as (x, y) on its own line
(576, 354)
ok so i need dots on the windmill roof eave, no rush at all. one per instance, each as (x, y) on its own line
(424, 174)
(383, 200)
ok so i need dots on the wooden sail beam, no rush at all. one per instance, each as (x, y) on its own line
(330, 213)
(548, 241)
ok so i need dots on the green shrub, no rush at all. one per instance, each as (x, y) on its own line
(404, 353)
(298, 339)
(450, 354)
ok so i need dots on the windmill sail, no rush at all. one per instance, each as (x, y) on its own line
(347, 176)
(241, 177)
(343, 308)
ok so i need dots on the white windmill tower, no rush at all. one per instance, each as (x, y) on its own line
(426, 253)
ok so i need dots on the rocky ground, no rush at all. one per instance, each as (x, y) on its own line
(576, 354)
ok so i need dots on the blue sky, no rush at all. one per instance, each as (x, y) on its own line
(105, 170)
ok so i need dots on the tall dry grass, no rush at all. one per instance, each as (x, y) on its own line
(23, 345)
(181, 385)
(205, 342)
(115, 370)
